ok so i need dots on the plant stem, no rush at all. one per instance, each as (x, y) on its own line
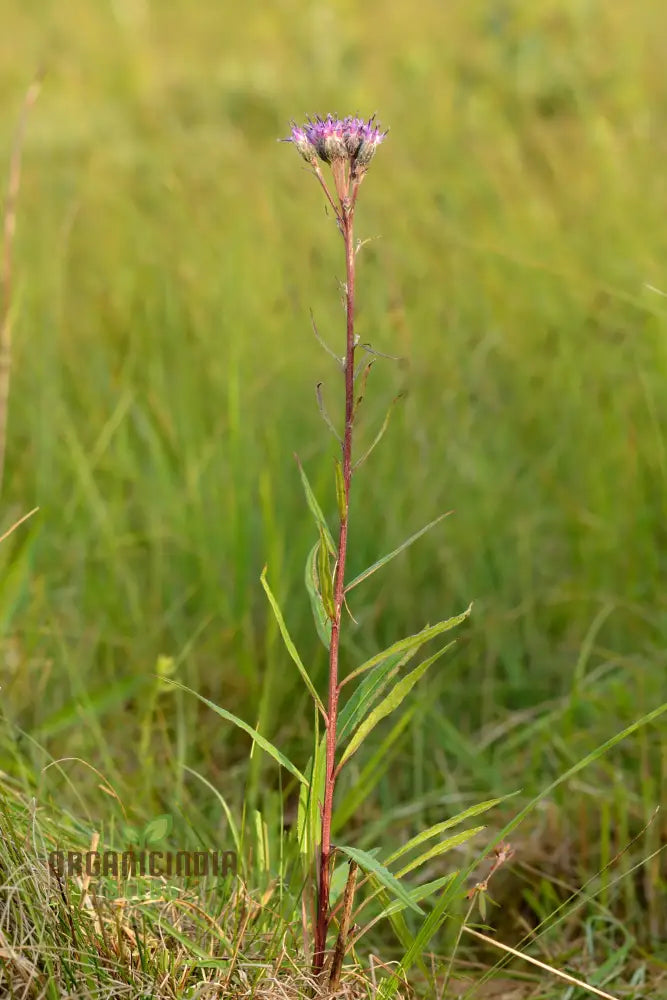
(347, 228)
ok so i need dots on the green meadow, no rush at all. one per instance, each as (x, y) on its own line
(168, 253)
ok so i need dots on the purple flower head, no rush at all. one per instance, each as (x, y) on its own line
(370, 136)
(334, 139)
(304, 146)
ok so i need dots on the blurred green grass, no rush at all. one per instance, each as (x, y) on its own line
(168, 253)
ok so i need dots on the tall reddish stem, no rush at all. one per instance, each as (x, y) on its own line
(322, 925)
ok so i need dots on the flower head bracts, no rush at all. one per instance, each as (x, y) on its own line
(347, 144)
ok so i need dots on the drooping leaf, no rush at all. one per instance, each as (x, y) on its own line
(322, 620)
(315, 508)
(410, 642)
(401, 548)
(260, 740)
(382, 874)
(289, 645)
(392, 701)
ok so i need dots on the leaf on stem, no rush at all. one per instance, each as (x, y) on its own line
(315, 508)
(403, 645)
(367, 691)
(322, 620)
(380, 434)
(382, 874)
(325, 577)
(389, 704)
(310, 800)
(289, 645)
(260, 740)
(340, 491)
(418, 895)
(441, 848)
(438, 828)
(385, 559)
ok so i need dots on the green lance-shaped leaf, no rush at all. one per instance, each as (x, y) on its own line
(325, 580)
(289, 645)
(322, 620)
(419, 894)
(382, 874)
(385, 559)
(439, 828)
(311, 797)
(260, 740)
(380, 434)
(315, 508)
(366, 692)
(340, 492)
(389, 704)
(441, 848)
(410, 642)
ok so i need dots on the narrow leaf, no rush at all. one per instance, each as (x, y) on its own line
(340, 492)
(385, 559)
(324, 574)
(322, 620)
(289, 645)
(403, 645)
(260, 740)
(441, 848)
(389, 704)
(310, 798)
(419, 894)
(380, 434)
(382, 874)
(438, 828)
(367, 691)
(315, 508)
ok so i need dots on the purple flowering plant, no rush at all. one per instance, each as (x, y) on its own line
(347, 146)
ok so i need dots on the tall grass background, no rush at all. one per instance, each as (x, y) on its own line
(168, 253)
